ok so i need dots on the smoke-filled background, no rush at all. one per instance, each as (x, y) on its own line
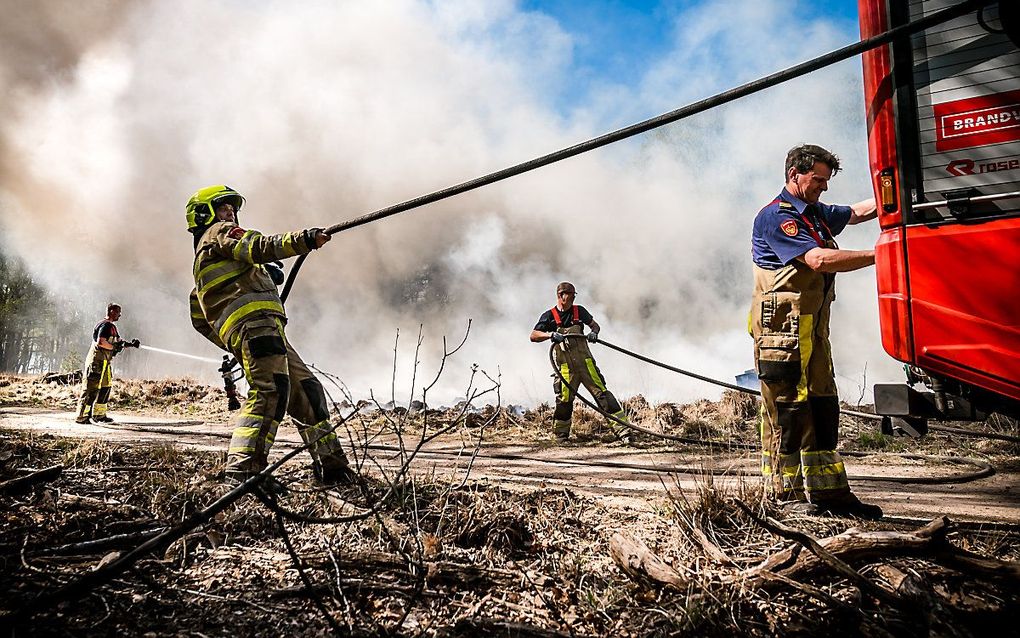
(115, 112)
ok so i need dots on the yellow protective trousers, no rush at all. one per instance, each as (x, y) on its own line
(279, 383)
(97, 382)
(577, 366)
(799, 418)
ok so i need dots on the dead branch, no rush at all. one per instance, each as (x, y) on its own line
(99, 544)
(486, 627)
(23, 483)
(640, 563)
(439, 572)
(98, 503)
(962, 560)
(825, 556)
(711, 550)
(853, 545)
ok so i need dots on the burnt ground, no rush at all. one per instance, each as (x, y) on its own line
(513, 542)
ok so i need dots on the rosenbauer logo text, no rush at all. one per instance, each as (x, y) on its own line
(977, 121)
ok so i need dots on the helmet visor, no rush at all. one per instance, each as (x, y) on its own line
(234, 200)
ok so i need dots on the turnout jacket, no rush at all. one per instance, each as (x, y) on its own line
(231, 284)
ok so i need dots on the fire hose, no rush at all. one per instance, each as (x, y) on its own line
(693, 108)
(983, 468)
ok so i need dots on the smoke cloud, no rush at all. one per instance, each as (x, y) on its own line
(319, 112)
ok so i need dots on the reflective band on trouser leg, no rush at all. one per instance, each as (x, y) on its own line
(250, 443)
(263, 358)
(309, 408)
(565, 388)
(824, 475)
(89, 392)
(791, 476)
(103, 396)
(593, 373)
(806, 340)
(246, 435)
(321, 442)
(766, 464)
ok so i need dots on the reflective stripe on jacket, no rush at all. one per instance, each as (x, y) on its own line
(231, 285)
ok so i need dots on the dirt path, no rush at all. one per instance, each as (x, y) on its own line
(996, 498)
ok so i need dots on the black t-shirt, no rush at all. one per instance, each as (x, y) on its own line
(104, 329)
(547, 323)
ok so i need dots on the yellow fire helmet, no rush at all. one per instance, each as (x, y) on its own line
(201, 209)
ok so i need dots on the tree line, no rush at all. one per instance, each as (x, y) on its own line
(38, 332)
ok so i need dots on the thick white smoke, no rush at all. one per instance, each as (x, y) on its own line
(318, 112)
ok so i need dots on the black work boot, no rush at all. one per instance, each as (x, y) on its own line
(850, 507)
(83, 419)
(268, 484)
(102, 419)
(334, 474)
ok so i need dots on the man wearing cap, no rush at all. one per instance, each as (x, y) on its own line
(795, 264)
(575, 362)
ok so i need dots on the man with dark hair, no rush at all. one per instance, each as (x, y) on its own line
(235, 306)
(575, 361)
(795, 260)
(98, 373)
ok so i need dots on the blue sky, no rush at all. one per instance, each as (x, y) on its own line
(615, 40)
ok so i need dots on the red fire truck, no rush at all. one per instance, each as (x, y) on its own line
(943, 113)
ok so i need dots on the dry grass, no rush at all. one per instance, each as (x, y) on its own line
(486, 559)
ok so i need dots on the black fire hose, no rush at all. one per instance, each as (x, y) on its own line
(982, 469)
(854, 413)
(693, 108)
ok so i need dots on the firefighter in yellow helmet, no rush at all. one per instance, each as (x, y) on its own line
(575, 361)
(796, 259)
(98, 378)
(235, 305)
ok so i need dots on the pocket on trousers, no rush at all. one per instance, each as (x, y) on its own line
(263, 339)
(778, 357)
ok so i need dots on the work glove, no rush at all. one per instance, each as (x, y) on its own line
(309, 235)
(275, 270)
(134, 343)
(593, 337)
(118, 346)
(557, 337)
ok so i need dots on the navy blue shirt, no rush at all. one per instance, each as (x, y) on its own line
(789, 227)
(547, 323)
(104, 329)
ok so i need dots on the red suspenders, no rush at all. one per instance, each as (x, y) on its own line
(559, 320)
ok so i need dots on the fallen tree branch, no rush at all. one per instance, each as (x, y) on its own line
(711, 550)
(841, 567)
(962, 560)
(639, 562)
(23, 483)
(853, 545)
(99, 544)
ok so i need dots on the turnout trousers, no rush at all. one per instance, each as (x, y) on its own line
(95, 387)
(577, 366)
(799, 417)
(279, 383)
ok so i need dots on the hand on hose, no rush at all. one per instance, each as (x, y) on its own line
(275, 270)
(557, 337)
(317, 237)
(117, 346)
(134, 343)
(593, 337)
